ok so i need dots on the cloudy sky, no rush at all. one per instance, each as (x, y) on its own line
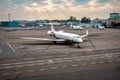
(57, 9)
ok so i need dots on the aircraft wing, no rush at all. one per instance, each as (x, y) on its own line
(82, 36)
(42, 39)
(85, 34)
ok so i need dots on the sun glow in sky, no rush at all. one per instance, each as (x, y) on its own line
(57, 9)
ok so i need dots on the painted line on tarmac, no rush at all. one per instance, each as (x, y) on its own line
(64, 66)
(32, 70)
(7, 67)
(6, 64)
(83, 64)
(93, 63)
(28, 58)
(11, 47)
(101, 57)
(53, 68)
(11, 60)
(69, 60)
(29, 62)
(18, 72)
(95, 58)
(75, 65)
(117, 59)
(40, 64)
(108, 55)
(4, 74)
(1, 51)
(50, 61)
(62, 55)
(117, 55)
(1, 37)
(62, 61)
(86, 58)
(42, 69)
(79, 59)
(101, 61)
(46, 57)
(19, 66)
(109, 61)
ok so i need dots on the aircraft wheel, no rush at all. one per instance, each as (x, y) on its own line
(54, 42)
(77, 45)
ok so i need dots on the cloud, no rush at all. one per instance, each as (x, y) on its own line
(57, 9)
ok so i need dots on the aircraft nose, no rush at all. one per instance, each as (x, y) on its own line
(80, 40)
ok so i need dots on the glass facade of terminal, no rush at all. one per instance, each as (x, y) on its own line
(114, 15)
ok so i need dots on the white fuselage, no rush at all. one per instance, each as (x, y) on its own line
(63, 36)
(68, 36)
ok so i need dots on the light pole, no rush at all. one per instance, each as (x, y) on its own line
(9, 17)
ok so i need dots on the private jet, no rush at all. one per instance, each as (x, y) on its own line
(76, 27)
(61, 36)
(101, 27)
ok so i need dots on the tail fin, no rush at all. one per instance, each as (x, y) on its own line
(85, 34)
(53, 30)
(71, 25)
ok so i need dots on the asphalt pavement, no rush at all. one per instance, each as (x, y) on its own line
(103, 66)
(32, 61)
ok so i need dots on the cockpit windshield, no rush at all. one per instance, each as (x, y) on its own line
(77, 36)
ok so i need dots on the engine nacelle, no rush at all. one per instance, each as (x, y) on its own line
(51, 33)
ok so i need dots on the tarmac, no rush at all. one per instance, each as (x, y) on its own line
(97, 59)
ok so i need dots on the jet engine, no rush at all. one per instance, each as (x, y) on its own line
(51, 33)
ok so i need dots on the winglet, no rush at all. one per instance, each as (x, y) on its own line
(87, 32)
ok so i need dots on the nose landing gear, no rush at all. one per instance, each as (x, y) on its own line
(77, 45)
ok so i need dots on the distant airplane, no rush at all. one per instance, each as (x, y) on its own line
(61, 36)
(101, 27)
(76, 27)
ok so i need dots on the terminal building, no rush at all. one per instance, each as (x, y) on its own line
(8, 24)
(114, 20)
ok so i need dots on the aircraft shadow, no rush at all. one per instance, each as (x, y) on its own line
(50, 43)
